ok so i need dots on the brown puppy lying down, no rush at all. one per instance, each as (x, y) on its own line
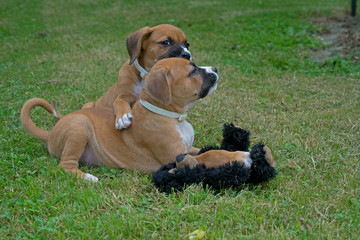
(145, 47)
(158, 134)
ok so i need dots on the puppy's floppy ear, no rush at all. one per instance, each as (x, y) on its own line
(134, 42)
(157, 84)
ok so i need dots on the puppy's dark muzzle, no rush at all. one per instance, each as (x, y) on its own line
(177, 51)
(185, 55)
(214, 69)
(210, 77)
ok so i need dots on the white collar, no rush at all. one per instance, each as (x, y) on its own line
(142, 71)
(149, 106)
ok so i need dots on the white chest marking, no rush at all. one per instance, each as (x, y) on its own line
(138, 87)
(186, 133)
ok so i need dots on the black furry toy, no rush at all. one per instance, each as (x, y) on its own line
(185, 170)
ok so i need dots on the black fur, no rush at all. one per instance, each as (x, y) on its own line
(169, 182)
(234, 139)
(231, 175)
(261, 170)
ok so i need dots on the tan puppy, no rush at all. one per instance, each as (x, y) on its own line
(145, 46)
(158, 134)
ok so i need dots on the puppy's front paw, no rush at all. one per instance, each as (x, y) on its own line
(123, 122)
(183, 160)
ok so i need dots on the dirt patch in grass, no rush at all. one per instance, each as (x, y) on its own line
(341, 35)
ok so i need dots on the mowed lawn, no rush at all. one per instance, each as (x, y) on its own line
(307, 112)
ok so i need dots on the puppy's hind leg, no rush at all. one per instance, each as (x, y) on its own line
(76, 141)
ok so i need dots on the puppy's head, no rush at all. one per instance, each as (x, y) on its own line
(176, 83)
(152, 44)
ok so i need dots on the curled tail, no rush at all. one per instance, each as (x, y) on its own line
(29, 124)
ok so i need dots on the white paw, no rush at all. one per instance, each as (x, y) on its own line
(91, 178)
(124, 122)
(247, 160)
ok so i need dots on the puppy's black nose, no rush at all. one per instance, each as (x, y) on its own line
(185, 55)
(214, 69)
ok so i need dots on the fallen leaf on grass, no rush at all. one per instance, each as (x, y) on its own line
(197, 234)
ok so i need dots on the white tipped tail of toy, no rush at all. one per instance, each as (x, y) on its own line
(247, 160)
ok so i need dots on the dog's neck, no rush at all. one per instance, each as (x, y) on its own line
(179, 116)
(141, 70)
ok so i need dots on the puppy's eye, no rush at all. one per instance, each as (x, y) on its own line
(194, 71)
(166, 43)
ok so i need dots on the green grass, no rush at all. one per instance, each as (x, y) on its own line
(308, 113)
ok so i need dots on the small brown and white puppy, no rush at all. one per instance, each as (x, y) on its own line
(145, 47)
(158, 134)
